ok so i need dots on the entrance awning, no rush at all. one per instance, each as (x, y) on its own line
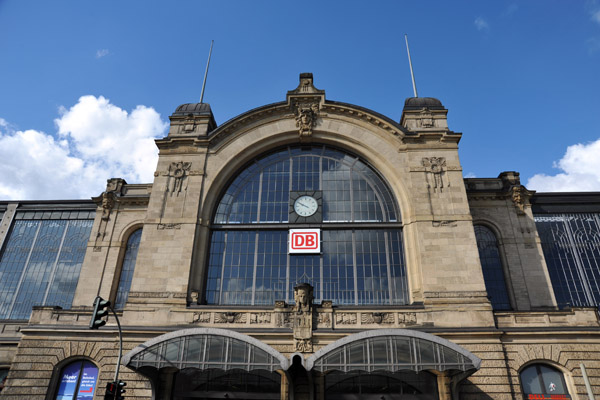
(205, 348)
(393, 350)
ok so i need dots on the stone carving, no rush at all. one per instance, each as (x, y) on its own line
(260, 318)
(177, 173)
(194, 295)
(448, 223)
(324, 319)
(377, 318)
(302, 317)
(303, 296)
(306, 118)
(304, 345)
(407, 318)
(114, 187)
(230, 318)
(345, 318)
(518, 198)
(203, 317)
(435, 169)
(168, 226)
(280, 304)
(426, 119)
(282, 319)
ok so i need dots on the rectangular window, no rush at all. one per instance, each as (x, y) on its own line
(41, 261)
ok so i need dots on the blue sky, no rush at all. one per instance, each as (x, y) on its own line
(520, 79)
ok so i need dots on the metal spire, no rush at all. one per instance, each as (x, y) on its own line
(412, 74)
(206, 72)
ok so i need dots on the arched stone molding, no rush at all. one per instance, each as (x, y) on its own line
(374, 145)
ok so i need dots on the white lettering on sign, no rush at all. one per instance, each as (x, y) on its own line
(304, 241)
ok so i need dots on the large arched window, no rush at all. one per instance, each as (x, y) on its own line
(542, 379)
(133, 243)
(77, 381)
(491, 263)
(361, 260)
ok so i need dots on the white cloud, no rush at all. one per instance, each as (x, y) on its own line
(101, 53)
(96, 140)
(470, 175)
(580, 168)
(481, 24)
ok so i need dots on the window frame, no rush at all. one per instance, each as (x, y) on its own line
(385, 197)
(503, 261)
(566, 381)
(128, 234)
(57, 373)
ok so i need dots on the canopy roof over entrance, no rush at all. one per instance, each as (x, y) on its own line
(206, 348)
(393, 350)
(385, 349)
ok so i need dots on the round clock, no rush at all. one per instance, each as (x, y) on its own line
(305, 206)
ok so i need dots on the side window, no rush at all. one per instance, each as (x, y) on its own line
(133, 243)
(491, 264)
(3, 375)
(541, 379)
(77, 381)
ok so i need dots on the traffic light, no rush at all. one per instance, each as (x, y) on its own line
(120, 390)
(111, 390)
(100, 311)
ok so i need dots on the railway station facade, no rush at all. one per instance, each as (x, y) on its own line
(306, 249)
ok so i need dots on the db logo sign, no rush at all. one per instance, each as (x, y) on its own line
(304, 241)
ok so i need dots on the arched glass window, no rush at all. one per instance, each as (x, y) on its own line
(77, 381)
(361, 260)
(133, 243)
(542, 379)
(491, 263)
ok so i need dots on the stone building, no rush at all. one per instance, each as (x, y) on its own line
(306, 249)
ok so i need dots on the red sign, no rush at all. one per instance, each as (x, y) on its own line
(548, 397)
(304, 241)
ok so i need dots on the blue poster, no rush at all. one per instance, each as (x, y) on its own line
(87, 386)
(68, 381)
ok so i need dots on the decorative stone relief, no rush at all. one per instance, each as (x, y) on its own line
(282, 319)
(324, 319)
(302, 317)
(177, 174)
(114, 188)
(345, 318)
(407, 318)
(426, 119)
(448, 223)
(194, 295)
(377, 318)
(168, 226)
(435, 169)
(304, 345)
(230, 318)
(518, 198)
(203, 317)
(260, 318)
(306, 118)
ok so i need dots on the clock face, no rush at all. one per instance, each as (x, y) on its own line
(305, 206)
